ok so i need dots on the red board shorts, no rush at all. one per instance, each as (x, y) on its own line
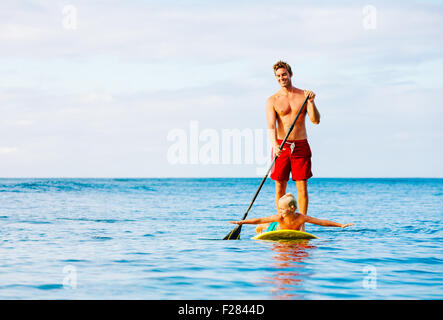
(297, 162)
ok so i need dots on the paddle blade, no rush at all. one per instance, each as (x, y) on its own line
(234, 234)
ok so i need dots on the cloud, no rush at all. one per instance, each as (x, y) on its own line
(212, 33)
(6, 150)
(132, 71)
(97, 98)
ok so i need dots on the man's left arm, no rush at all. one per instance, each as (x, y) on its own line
(312, 110)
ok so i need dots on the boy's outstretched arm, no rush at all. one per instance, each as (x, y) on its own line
(257, 220)
(326, 223)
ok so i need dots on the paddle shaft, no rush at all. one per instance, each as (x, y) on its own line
(275, 158)
(235, 234)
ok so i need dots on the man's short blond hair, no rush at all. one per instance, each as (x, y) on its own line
(282, 64)
(289, 197)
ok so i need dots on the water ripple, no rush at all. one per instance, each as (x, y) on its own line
(161, 239)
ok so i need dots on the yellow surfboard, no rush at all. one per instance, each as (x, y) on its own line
(284, 235)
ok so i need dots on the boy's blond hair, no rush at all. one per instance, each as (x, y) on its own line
(289, 197)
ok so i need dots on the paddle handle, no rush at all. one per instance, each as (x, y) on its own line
(275, 158)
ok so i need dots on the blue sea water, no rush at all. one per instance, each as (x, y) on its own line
(160, 239)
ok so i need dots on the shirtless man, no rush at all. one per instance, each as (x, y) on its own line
(295, 157)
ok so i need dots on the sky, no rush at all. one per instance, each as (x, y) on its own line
(164, 88)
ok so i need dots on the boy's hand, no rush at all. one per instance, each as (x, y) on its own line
(236, 222)
(347, 225)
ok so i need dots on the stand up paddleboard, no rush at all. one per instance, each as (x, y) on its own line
(284, 235)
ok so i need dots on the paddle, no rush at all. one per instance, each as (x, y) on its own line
(235, 234)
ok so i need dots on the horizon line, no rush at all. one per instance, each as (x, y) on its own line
(214, 177)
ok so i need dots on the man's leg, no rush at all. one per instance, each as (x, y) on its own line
(302, 194)
(280, 190)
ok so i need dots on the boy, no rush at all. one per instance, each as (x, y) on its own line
(287, 218)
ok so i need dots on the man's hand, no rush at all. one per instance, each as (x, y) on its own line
(277, 151)
(347, 225)
(310, 94)
(312, 110)
(236, 222)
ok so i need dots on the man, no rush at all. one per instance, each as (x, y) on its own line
(295, 157)
(287, 218)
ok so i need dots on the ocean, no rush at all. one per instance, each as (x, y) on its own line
(161, 239)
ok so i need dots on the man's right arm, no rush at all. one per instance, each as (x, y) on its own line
(271, 119)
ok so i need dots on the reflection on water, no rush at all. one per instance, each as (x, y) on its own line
(289, 275)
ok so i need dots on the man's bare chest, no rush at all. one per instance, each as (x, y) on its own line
(284, 105)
